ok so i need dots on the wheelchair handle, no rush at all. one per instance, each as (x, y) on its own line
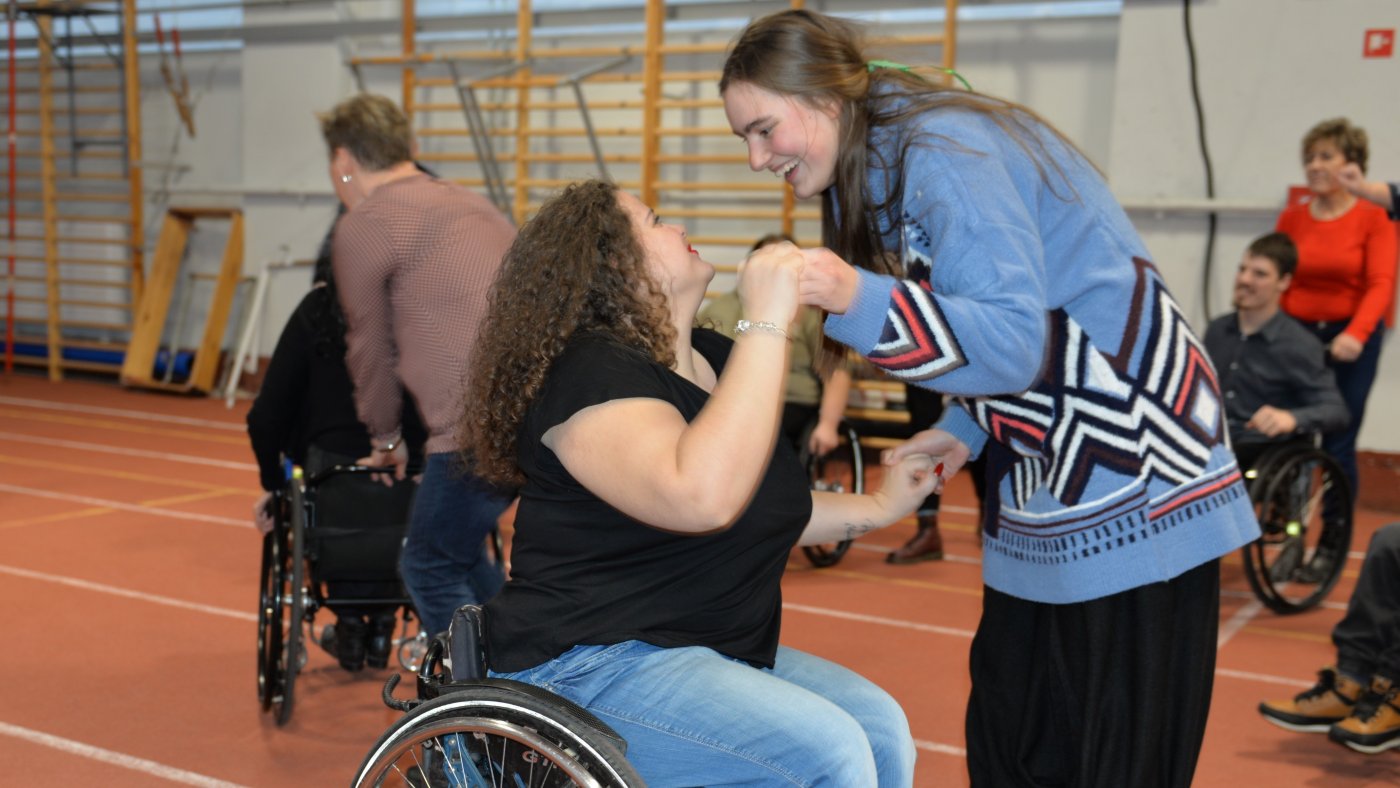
(413, 469)
(387, 695)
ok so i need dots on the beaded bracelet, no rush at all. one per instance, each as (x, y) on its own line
(744, 326)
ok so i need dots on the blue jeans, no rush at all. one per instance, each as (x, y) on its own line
(693, 717)
(444, 562)
(1354, 379)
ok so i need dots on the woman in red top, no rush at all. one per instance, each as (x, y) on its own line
(1346, 272)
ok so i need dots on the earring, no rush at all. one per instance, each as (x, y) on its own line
(345, 179)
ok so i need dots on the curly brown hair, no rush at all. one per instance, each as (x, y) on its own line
(576, 266)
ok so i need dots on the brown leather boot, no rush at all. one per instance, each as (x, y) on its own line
(1331, 700)
(1374, 723)
(927, 544)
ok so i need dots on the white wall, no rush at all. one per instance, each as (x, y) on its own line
(1268, 71)
(1118, 87)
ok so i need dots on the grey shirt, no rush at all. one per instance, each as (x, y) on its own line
(1281, 365)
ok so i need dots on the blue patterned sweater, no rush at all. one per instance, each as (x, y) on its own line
(1034, 303)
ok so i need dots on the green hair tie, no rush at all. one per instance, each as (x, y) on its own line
(874, 64)
(871, 65)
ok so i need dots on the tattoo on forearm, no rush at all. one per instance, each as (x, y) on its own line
(858, 529)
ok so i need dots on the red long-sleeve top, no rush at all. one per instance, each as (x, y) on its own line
(1346, 267)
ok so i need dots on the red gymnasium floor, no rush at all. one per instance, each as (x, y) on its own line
(129, 573)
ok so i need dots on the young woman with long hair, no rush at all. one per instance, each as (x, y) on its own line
(1025, 293)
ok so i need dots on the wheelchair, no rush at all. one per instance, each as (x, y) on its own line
(338, 525)
(466, 730)
(841, 470)
(1303, 503)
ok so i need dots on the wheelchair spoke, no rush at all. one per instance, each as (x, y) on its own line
(1304, 511)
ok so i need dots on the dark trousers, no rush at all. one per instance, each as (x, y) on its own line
(1354, 379)
(793, 427)
(1368, 637)
(444, 562)
(1107, 693)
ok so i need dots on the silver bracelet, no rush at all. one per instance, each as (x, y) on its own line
(745, 326)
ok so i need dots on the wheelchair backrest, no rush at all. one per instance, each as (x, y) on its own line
(357, 525)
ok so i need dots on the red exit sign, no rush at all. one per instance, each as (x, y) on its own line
(1380, 42)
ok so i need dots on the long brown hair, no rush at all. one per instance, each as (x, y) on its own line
(818, 60)
(576, 266)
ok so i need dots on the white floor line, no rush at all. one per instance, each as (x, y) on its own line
(941, 749)
(892, 622)
(1264, 677)
(114, 758)
(95, 410)
(153, 455)
(128, 507)
(102, 588)
(1238, 621)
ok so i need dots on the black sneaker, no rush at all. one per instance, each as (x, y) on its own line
(379, 640)
(327, 640)
(350, 643)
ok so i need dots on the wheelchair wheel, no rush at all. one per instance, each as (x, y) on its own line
(292, 611)
(270, 617)
(840, 470)
(492, 735)
(1304, 506)
(411, 648)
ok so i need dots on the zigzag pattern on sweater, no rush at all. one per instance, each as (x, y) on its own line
(917, 343)
(1152, 416)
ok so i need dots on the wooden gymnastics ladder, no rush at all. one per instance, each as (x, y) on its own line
(75, 237)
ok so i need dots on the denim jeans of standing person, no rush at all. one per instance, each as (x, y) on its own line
(1354, 379)
(694, 717)
(445, 564)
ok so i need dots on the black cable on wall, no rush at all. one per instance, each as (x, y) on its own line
(1212, 218)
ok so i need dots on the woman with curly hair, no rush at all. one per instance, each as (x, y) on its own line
(657, 508)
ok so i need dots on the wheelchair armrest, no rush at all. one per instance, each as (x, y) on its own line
(466, 637)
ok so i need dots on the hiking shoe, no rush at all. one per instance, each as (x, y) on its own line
(1331, 700)
(1374, 724)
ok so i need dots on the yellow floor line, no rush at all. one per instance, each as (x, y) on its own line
(98, 510)
(85, 470)
(52, 418)
(197, 496)
(1310, 637)
(846, 573)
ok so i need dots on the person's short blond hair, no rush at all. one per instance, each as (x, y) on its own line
(372, 128)
(1350, 140)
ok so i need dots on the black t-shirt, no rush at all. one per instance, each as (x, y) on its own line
(584, 573)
